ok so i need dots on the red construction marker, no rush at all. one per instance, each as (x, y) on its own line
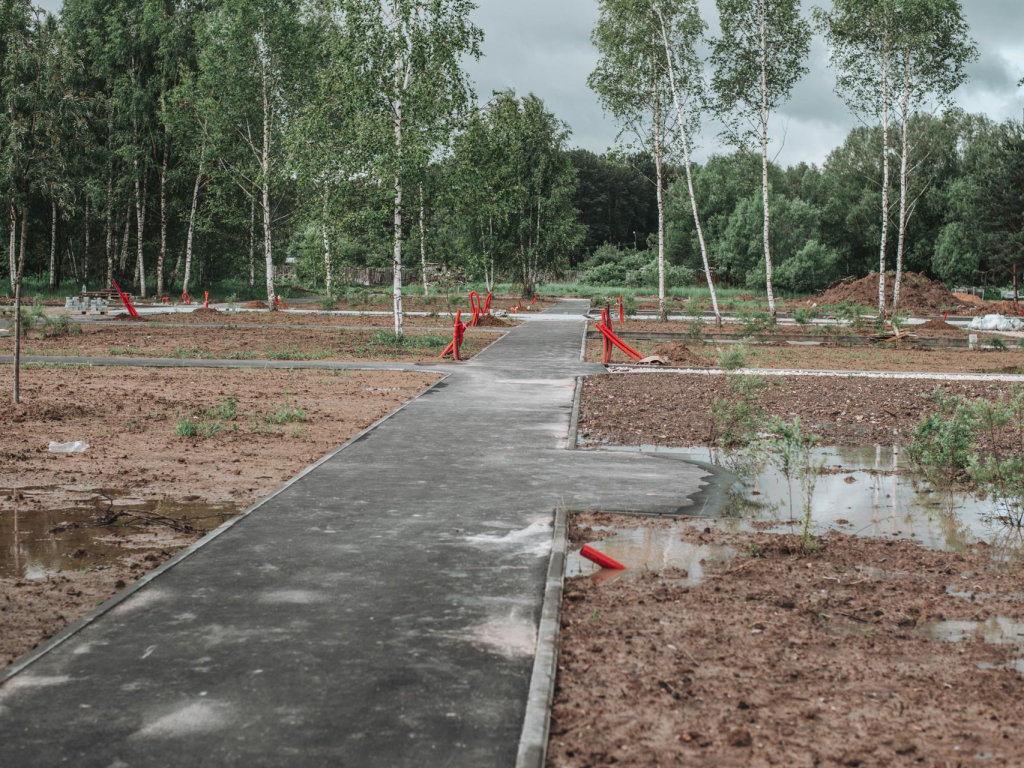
(601, 559)
(622, 314)
(186, 299)
(487, 306)
(207, 299)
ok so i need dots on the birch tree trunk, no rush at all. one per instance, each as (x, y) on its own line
(192, 223)
(764, 158)
(423, 246)
(885, 181)
(110, 231)
(163, 223)
(396, 282)
(17, 307)
(327, 248)
(252, 242)
(662, 310)
(85, 255)
(904, 174)
(53, 245)
(265, 168)
(689, 172)
(12, 219)
(127, 232)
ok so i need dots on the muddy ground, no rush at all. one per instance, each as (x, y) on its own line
(675, 409)
(140, 339)
(282, 421)
(203, 316)
(812, 332)
(839, 358)
(793, 657)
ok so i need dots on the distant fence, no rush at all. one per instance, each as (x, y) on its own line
(380, 276)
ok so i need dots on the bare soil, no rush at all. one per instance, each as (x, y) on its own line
(903, 358)
(304, 318)
(918, 293)
(933, 327)
(791, 658)
(128, 417)
(675, 409)
(240, 342)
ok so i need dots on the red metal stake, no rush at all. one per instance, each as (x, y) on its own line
(125, 301)
(601, 558)
(207, 299)
(618, 342)
(622, 313)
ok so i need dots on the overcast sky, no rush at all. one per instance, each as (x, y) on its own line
(544, 46)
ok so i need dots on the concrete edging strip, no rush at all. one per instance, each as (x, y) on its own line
(533, 744)
(1004, 377)
(74, 628)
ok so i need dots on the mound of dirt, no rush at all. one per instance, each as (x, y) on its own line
(935, 325)
(207, 312)
(918, 293)
(679, 354)
(130, 318)
(970, 299)
(255, 305)
(1007, 308)
(490, 321)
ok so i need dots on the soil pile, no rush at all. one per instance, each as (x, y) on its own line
(933, 326)
(207, 312)
(970, 299)
(490, 321)
(1007, 308)
(679, 354)
(917, 293)
(130, 318)
(255, 305)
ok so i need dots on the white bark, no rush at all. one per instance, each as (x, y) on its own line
(127, 232)
(252, 242)
(17, 306)
(163, 223)
(904, 177)
(85, 255)
(110, 232)
(53, 245)
(192, 223)
(265, 168)
(662, 310)
(689, 171)
(885, 179)
(423, 246)
(140, 216)
(764, 157)
(327, 248)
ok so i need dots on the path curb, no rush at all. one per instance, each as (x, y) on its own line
(74, 628)
(533, 744)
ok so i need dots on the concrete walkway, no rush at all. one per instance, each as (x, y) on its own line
(380, 610)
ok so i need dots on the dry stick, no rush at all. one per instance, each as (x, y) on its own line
(686, 164)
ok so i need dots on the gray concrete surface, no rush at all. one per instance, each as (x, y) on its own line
(382, 610)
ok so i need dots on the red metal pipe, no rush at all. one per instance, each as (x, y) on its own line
(619, 342)
(622, 313)
(601, 558)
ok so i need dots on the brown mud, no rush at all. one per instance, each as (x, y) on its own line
(832, 656)
(675, 409)
(248, 343)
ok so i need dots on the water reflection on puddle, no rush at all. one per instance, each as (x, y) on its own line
(866, 491)
(52, 530)
(996, 631)
(644, 549)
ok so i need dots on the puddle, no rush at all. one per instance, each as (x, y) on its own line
(644, 549)
(995, 631)
(53, 530)
(863, 491)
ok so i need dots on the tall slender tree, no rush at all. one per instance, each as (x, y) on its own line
(758, 58)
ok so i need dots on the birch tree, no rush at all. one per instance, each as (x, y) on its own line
(934, 48)
(681, 30)
(410, 54)
(758, 58)
(632, 81)
(863, 36)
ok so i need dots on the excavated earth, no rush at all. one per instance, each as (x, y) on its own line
(833, 655)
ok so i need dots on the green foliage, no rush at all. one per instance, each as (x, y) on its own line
(804, 316)
(791, 451)
(732, 358)
(956, 259)
(756, 323)
(736, 418)
(945, 441)
(427, 341)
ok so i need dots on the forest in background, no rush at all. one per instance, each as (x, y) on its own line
(176, 145)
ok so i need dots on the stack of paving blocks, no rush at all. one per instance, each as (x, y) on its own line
(86, 304)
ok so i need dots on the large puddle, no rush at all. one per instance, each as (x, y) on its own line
(52, 530)
(867, 491)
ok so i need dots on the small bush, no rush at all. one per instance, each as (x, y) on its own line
(732, 358)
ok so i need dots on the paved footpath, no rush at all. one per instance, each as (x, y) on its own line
(381, 610)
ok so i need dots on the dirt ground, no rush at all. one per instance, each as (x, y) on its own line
(281, 422)
(932, 328)
(675, 409)
(139, 339)
(203, 316)
(832, 358)
(788, 657)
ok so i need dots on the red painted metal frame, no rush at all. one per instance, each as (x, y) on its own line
(125, 301)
